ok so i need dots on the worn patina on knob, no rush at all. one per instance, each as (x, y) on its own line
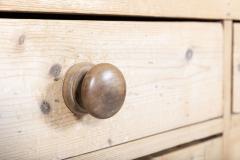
(99, 90)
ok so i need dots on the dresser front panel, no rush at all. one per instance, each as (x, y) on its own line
(173, 71)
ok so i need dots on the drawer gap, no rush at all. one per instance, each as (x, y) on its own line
(99, 17)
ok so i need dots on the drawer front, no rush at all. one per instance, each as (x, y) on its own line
(236, 70)
(213, 9)
(173, 72)
(209, 150)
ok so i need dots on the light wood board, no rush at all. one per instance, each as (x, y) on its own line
(173, 72)
(156, 143)
(210, 9)
(209, 150)
(236, 71)
(227, 97)
(234, 142)
(234, 10)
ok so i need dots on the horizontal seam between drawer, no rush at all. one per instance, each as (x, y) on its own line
(68, 16)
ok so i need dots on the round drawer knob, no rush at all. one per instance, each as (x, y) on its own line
(99, 89)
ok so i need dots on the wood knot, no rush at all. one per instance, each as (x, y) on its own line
(45, 107)
(21, 39)
(55, 71)
(189, 54)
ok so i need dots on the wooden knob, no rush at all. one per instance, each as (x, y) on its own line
(99, 89)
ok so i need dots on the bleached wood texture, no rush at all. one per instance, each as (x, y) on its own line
(209, 150)
(209, 9)
(156, 143)
(227, 96)
(236, 71)
(173, 72)
(234, 146)
(234, 9)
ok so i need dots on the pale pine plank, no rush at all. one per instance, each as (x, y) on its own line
(209, 150)
(210, 9)
(227, 97)
(236, 71)
(234, 140)
(156, 143)
(234, 9)
(173, 72)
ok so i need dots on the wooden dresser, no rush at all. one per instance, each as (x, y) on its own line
(120, 79)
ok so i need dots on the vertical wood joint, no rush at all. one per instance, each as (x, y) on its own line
(228, 79)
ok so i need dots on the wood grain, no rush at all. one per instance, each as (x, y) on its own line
(173, 72)
(236, 70)
(227, 97)
(210, 9)
(159, 142)
(234, 142)
(209, 150)
(234, 9)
